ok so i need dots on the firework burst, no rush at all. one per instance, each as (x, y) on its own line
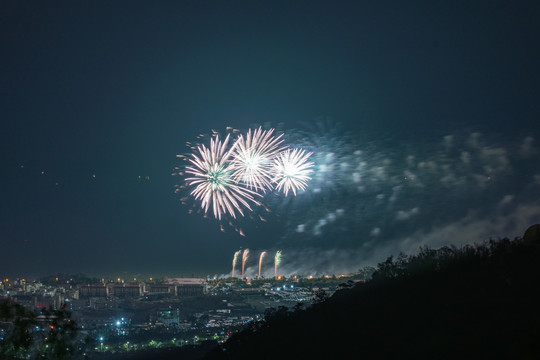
(213, 183)
(253, 156)
(292, 169)
(228, 178)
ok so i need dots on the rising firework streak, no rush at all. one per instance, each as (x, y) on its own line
(277, 260)
(245, 256)
(235, 260)
(261, 258)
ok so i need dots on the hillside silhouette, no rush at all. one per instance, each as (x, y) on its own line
(479, 301)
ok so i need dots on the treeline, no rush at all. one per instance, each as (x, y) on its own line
(47, 334)
(477, 301)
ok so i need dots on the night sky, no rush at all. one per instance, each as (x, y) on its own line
(422, 116)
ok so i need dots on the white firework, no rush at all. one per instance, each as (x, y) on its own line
(212, 180)
(291, 170)
(253, 156)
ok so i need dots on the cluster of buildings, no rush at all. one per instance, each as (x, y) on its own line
(34, 295)
(75, 297)
(135, 312)
(170, 287)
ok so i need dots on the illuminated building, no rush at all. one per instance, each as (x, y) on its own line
(188, 286)
(93, 291)
(124, 290)
(168, 317)
(161, 289)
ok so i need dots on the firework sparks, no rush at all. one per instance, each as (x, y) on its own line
(291, 170)
(212, 180)
(245, 256)
(261, 258)
(252, 158)
(277, 261)
(235, 260)
(229, 178)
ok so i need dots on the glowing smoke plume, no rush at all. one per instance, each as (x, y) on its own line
(277, 260)
(261, 258)
(235, 260)
(245, 256)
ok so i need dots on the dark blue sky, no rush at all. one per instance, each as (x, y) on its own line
(101, 95)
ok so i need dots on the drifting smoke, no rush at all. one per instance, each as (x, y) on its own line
(245, 256)
(235, 260)
(368, 199)
(277, 260)
(261, 258)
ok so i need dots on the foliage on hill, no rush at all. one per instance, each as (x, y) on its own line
(477, 301)
(51, 334)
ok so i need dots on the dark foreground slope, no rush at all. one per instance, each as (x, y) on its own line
(475, 302)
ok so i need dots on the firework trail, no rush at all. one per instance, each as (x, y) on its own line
(213, 183)
(277, 260)
(245, 256)
(253, 156)
(235, 260)
(291, 170)
(261, 258)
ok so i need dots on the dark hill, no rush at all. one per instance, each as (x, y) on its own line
(477, 302)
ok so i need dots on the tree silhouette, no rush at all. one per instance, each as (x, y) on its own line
(51, 334)
(15, 324)
(477, 301)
